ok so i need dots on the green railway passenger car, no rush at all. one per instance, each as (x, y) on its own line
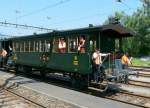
(41, 51)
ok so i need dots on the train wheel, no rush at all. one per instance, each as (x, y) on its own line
(27, 70)
(83, 82)
(43, 73)
(74, 81)
(16, 69)
(79, 81)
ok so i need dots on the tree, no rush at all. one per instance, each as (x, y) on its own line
(140, 23)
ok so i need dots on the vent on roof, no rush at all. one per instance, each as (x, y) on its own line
(90, 25)
(34, 33)
(113, 20)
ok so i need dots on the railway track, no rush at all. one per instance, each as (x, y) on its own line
(131, 98)
(128, 98)
(140, 67)
(145, 69)
(144, 74)
(9, 99)
(141, 72)
(97, 92)
(143, 79)
(139, 83)
(123, 96)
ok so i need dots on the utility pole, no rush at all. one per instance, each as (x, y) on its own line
(113, 19)
(114, 10)
(17, 12)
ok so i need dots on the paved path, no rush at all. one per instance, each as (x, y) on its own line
(70, 96)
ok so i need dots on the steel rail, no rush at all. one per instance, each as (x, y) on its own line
(19, 96)
(139, 83)
(96, 92)
(129, 102)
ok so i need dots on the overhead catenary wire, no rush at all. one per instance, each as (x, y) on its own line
(63, 21)
(43, 9)
(81, 18)
(7, 24)
(126, 5)
(86, 17)
(70, 20)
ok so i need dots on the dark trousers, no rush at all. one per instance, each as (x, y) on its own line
(3, 61)
(96, 72)
(99, 73)
(124, 66)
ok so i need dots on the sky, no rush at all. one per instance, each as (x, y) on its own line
(59, 14)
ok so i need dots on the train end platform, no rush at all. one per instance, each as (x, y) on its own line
(52, 96)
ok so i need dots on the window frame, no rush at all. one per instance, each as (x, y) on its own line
(58, 38)
(77, 43)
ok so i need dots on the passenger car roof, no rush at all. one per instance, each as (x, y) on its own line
(116, 29)
(123, 31)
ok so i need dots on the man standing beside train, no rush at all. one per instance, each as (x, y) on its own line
(97, 65)
(125, 60)
(3, 55)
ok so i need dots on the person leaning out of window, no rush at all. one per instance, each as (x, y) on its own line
(81, 46)
(62, 45)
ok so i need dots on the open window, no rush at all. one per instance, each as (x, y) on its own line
(81, 44)
(59, 45)
(27, 46)
(36, 46)
(47, 45)
(31, 46)
(93, 43)
(73, 44)
(55, 45)
(17, 47)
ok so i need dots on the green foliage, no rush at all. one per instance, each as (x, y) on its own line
(139, 62)
(139, 22)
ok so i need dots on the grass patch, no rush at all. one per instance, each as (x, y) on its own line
(139, 62)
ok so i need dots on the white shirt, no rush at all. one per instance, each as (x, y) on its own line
(97, 57)
(100, 54)
(62, 45)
